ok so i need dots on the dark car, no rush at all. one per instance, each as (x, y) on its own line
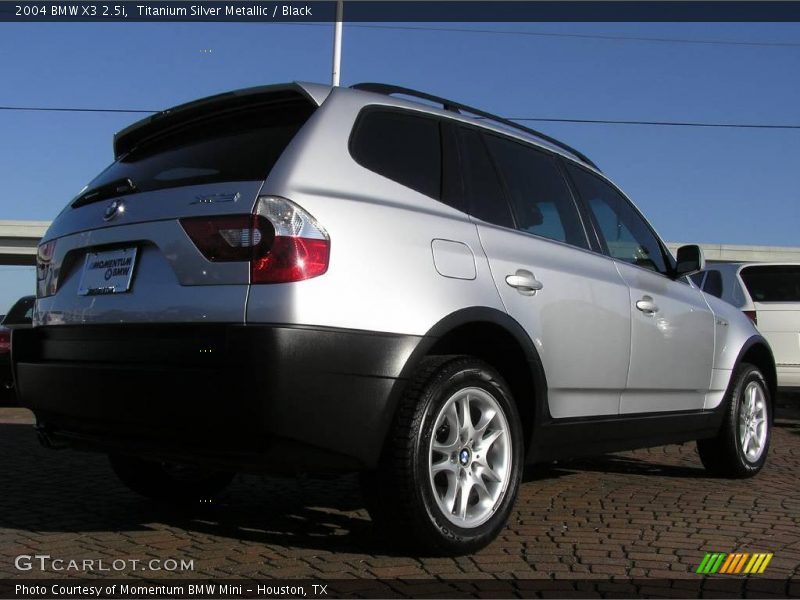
(20, 315)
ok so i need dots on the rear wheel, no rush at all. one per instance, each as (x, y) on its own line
(452, 469)
(169, 482)
(740, 448)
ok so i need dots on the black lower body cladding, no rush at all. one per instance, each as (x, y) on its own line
(241, 397)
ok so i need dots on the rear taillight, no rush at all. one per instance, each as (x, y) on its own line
(281, 240)
(301, 248)
(46, 272)
(751, 314)
(229, 238)
(5, 342)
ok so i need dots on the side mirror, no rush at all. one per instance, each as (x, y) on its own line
(690, 260)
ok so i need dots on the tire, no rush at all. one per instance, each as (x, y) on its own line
(446, 485)
(740, 448)
(168, 482)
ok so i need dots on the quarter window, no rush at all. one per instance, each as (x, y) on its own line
(626, 233)
(402, 146)
(540, 198)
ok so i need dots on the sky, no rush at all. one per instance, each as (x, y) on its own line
(736, 186)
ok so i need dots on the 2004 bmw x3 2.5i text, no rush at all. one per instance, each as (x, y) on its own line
(306, 278)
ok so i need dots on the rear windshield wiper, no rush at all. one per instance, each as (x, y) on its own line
(118, 187)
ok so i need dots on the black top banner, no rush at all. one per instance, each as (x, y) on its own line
(403, 11)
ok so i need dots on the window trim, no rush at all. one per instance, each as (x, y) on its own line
(669, 261)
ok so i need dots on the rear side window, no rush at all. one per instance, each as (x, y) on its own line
(240, 146)
(540, 198)
(401, 146)
(482, 185)
(772, 283)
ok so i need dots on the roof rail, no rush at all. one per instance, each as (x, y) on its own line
(457, 107)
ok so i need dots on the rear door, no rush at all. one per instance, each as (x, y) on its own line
(672, 327)
(775, 291)
(570, 300)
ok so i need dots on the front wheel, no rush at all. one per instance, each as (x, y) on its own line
(740, 448)
(453, 464)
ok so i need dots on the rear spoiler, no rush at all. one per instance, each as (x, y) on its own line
(171, 118)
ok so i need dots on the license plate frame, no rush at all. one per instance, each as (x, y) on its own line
(108, 271)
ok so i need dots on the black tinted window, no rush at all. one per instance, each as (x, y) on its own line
(626, 233)
(778, 283)
(713, 283)
(242, 146)
(21, 313)
(484, 192)
(540, 199)
(402, 146)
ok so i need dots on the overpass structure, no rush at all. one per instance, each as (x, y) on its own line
(18, 241)
(735, 253)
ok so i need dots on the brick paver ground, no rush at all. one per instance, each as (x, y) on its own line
(649, 513)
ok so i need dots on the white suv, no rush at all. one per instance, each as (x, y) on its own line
(768, 293)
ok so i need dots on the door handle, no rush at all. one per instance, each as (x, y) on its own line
(524, 282)
(647, 306)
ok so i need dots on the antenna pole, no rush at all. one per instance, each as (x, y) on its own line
(337, 44)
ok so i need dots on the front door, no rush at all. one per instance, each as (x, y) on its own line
(672, 327)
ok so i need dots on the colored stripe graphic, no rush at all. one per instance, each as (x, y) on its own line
(758, 563)
(728, 562)
(764, 564)
(753, 565)
(703, 564)
(734, 564)
(711, 563)
(741, 562)
(734, 561)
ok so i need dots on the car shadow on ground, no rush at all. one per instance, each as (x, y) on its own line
(632, 466)
(68, 491)
(790, 427)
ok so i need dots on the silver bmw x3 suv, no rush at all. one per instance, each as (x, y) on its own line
(303, 278)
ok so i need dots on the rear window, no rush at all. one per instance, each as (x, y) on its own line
(778, 283)
(238, 146)
(402, 146)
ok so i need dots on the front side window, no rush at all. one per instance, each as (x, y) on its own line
(401, 146)
(540, 198)
(713, 284)
(626, 233)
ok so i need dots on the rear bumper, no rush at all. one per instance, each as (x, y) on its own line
(252, 397)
